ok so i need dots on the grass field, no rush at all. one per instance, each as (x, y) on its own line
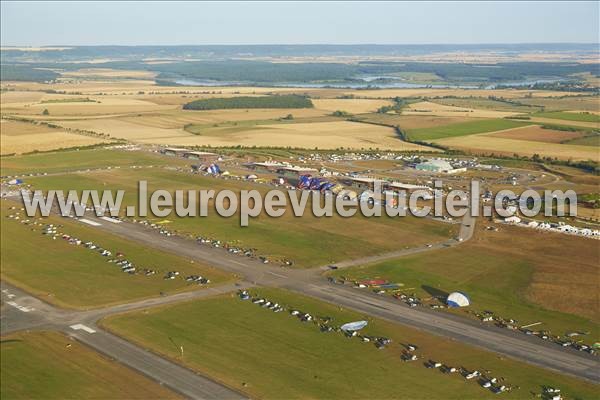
(570, 116)
(532, 286)
(308, 241)
(74, 276)
(236, 343)
(463, 129)
(591, 140)
(74, 160)
(49, 365)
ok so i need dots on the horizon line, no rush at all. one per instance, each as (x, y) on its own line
(302, 44)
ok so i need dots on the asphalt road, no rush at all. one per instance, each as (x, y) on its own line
(21, 311)
(307, 282)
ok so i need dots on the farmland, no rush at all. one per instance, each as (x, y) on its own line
(49, 365)
(537, 133)
(245, 102)
(488, 104)
(487, 144)
(273, 355)
(322, 135)
(22, 137)
(529, 287)
(570, 116)
(463, 129)
(352, 106)
(442, 110)
(153, 292)
(73, 276)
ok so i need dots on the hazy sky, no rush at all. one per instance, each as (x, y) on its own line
(88, 23)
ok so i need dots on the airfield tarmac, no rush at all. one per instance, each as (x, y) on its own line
(27, 312)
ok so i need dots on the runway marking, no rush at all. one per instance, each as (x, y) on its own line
(87, 221)
(279, 275)
(19, 307)
(109, 219)
(82, 327)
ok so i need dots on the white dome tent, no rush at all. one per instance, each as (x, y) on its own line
(458, 299)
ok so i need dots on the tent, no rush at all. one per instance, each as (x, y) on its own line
(458, 299)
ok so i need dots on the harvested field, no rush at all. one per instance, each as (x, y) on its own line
(486, 104)
(536, 133)
(429, 108)
(406, 122)
(322, 135)
(552, 121)
(17, 97)
(23, 137)
(123, 129)
(486, 144)
(109, 73)
(583, 103)
(178, 118)
(352, 106)
(571, 116)
(104, 106)
(19, 128)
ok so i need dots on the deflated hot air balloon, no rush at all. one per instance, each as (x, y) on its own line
(457, 299)
(353, 326)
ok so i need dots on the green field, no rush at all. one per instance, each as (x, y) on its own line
(49, 365)
(591, 140)
(495, 280)
(275, 101)
(463, 129)
(307, 241)
(570, 116)
(74, 276)
(274, 355)
(79, 160)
